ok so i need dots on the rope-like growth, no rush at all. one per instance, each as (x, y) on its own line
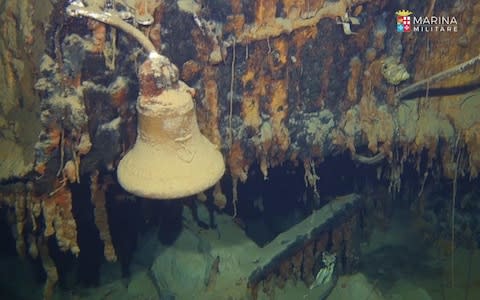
(437, 77)
(165, 71)
(377, 158)
(77, 10)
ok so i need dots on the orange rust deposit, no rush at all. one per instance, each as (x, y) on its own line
(300, 38)
(41, 168)
(190, 69)
(237, 6)
(58, 211)
(278, 108)
(99, 35)
(211, 96)
(254, 86)
(265, 11)
(237, 162)
(119, 96)
(155, 31)
(353, 80)
(235, 23)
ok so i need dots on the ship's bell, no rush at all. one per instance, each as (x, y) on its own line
(170, 158)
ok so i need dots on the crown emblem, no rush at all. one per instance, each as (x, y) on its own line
(403, 13)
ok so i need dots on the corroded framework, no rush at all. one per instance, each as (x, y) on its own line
(277, 81)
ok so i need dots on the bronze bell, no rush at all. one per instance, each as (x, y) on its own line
(170, 158)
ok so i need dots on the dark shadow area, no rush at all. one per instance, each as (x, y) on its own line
(91, 247)
(272, 206)
(167, 216)
(125, 220)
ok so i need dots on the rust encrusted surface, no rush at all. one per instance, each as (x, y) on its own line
(21, 45)
(263, 96)
(275, 81)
